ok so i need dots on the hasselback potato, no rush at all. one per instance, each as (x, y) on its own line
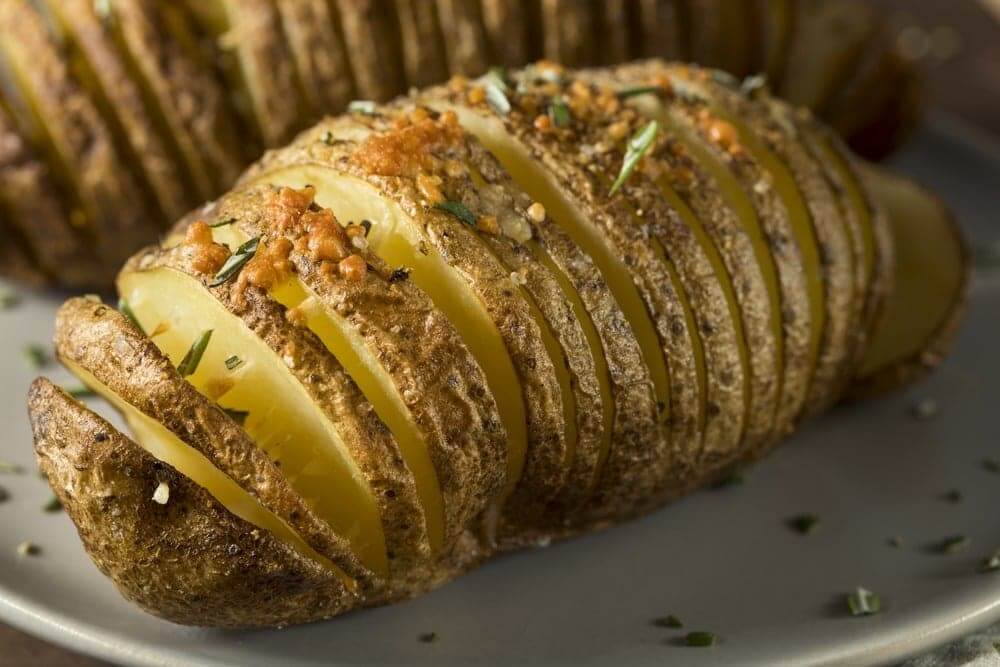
(492, 314)
(117, 116)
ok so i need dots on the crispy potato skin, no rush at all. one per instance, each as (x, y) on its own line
(189, 561)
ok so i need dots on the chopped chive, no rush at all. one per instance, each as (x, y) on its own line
(238, 416)
(700, 638)
(428, 637)
(670, 621)
(8, 299)
(498, 77)
(53, 505)
(863, 602)
(233, 362)
(952, 545)
(559, 112)
(36, 355)
(638, 146)
(236, 262)
(363, 107)
(129, 314)
(8, 468)
(496, 91)
(189, 364)
(459, 210)
(725, 78)
(225, 222)
(80, 391)
(803, 524)
(639, 90)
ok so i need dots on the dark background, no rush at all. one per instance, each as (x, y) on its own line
(958, 42)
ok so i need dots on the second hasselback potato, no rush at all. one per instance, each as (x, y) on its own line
(118, 115)
(492, 314)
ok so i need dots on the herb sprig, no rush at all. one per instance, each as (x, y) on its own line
(458, 210)
(189, 364)
(236, 262)
(638, 146)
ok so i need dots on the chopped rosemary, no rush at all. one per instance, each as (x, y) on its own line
(36, 355)
(638, 146)
(236, 262)
(803, 524)
(53, 505)
(129, 314)
(225, 222)
(991, 564)
(80, 391)
(459, 210)
(700, 638)
(639, 90)
(8, 468)
(669, 621)
(233, 362)
(559, 112)
(496, 91)
(189, 364)
(364, 107)
(238, 416)
(327, 138)
(498, 77)
(863, 602)
(428, 637)
(952, 545)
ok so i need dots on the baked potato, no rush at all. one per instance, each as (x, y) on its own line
(495, 313)
(137, 110)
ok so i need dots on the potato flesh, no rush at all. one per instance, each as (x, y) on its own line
(534, 180)
(377, 387)
(282, 419)
(163, 445)
(395, 238)
(929, 272)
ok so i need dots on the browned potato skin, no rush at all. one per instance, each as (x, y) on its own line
(103, 342)
(93, 171)
(372, 38)
(144, 149)
(543, 472)
(507, 30)
(424, 58)
(18, 263)
(418, 348)
(465, 43)
(59, 250)
(189, 561)
(190, 100)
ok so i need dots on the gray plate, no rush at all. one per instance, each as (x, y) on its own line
(720, 560)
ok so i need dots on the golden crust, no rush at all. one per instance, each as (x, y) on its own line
(104, 343)
(189, 560)
(90, 170)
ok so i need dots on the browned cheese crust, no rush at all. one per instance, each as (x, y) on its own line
(189, 560)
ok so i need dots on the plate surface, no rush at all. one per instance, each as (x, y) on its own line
(720, 560)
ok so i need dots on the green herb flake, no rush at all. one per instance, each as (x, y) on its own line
(225, 222)
(8, 299)
(753, 84)
(669, 621)
(638, 91)
(52, 505)
(236, 262)
(27, 548)
(189, 364)
(638, 146)
(36, 355)
(991, 564)
(498, 77)
(428, 637)
(804, 524)
(363, 107)
(496, 91)
(238, 416)
(559, 112)
(952, 545)
(80, 391)
(233, 362)
(459, 210)
(700, 638)
(863, 602)
(129, 314)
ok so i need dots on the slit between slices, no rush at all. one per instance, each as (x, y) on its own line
(165, 446)
(281, 418)
(395, 238)
(539, 184)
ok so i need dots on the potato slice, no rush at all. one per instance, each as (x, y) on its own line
(931, 278)
(34, 213)
(257, 63)
(456, 270)
(569, 28)
(722, 34)
(187, 102)
(316, 42)
(206, 553)
(121, 361)
(76, 142)
(424, 58)
(508, 32)
(466, 43)
(18, 262)
(662, 29)
(372, 37)
(100, 68)
(828, 40)
(776, 19)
